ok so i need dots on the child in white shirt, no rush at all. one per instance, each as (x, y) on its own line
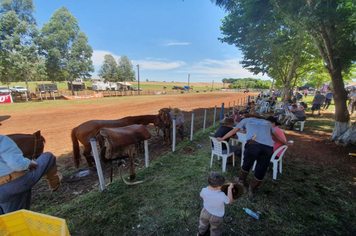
(214, 205)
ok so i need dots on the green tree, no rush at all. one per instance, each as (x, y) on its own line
(66, 48)
(331, 24)
(268, 46)
(126, 69)
(109, 69)
(24, 9)
(19, 58)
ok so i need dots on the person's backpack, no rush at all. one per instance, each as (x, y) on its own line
(304, 105)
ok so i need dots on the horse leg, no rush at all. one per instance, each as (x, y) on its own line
(132, 151)
(88, 156)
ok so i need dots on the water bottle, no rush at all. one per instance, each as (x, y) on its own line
(251, 213)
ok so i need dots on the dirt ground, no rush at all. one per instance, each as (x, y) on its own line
(56, 124)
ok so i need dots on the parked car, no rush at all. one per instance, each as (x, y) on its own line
(18, 89)
(135, 89)
(4, 90)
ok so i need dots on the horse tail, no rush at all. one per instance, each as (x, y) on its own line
(76, 151)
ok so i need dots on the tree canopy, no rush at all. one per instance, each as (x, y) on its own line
(65, 47)
(329, 33)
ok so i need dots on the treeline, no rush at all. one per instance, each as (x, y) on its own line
(248, 83)
(59, 51)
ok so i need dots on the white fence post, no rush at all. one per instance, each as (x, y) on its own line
(174, 135)
(205, 121)
(97, 163)
(192, 127)
(146, 153)
(214, 116)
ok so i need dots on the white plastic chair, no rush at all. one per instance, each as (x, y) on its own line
(293, 117)
(216, 149)
(264, 107)
(301, 124)
(276, 161)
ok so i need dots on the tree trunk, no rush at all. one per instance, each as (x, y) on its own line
(348, 137)
(342, 133)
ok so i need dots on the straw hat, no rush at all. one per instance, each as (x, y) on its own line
(237, 190)
(176, 111)
(2, 118)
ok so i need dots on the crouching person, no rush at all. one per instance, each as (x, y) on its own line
(18, 175)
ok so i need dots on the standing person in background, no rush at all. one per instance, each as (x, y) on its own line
(353, 101)
(317, 102)
(259, 147)
(18, 175)
(328, 98)
(179, 116)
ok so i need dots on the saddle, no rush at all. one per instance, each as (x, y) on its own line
(114, 142)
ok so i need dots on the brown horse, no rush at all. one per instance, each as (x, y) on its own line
(31, 145)
(87, 130)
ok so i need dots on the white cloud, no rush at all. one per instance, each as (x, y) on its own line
(98, 57)
(230, 68)
(145, 64)
(205, 70)
(175, 44)
(159, 64)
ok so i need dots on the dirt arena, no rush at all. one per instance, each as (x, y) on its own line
(57, 122)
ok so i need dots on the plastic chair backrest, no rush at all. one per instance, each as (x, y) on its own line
(217, 146)
(279, 105)
(281, 148)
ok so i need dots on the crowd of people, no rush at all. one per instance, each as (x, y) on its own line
(263, 137)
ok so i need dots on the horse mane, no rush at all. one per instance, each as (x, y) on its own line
(76, 151)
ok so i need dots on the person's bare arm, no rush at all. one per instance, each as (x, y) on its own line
(282, 140)
(228, 135)
(229, 193)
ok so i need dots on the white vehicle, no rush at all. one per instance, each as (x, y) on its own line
(18, 89)
(4, 90)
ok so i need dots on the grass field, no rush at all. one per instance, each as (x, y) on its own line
(315, 194)
(144, 85)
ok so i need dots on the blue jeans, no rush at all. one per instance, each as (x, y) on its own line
(260, 153)
(16, 194)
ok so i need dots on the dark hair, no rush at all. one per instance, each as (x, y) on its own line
(215, 179)
(229, 121)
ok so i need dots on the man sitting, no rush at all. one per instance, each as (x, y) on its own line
(227, 126)
(297, 114)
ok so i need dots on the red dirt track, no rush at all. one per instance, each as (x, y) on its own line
(56, 123)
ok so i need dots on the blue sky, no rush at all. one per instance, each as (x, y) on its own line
(169, 39)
